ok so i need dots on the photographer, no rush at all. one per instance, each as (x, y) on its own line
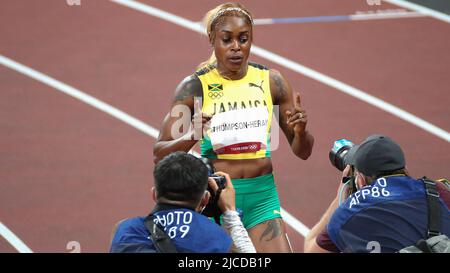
(389, 209)
(181, 194)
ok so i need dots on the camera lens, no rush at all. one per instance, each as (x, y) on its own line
(339, 153)
(221, 181)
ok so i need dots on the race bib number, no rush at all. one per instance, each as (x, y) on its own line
(239, 131)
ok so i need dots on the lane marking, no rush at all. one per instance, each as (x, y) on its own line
(306, 71)
(71, 91)
(293, 222)
(424, 10)
(385, 15)
(6, 233)
(115, 112)
(336, 18)
(170, 17)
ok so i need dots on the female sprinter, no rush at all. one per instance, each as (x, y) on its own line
(232, 101)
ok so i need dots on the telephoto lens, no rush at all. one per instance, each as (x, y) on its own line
(339, 152)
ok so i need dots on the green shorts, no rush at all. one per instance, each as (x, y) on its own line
(258, 199)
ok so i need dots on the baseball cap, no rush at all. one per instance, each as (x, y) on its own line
(376, 154)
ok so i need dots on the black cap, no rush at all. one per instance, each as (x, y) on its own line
(375, 155)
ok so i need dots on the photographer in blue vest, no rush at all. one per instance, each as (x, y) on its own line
(176, 223)
(388, 209)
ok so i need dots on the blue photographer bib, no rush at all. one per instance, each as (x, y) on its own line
(189, 232)
(384, 217)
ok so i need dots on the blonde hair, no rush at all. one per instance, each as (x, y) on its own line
(212, 18)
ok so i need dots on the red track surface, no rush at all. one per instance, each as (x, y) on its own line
(68, 172)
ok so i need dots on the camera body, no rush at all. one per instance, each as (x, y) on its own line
(221, 181)
(212, 209)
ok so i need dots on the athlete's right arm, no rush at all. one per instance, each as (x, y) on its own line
(176, 133)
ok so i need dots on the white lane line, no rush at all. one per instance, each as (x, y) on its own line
(13, 239)
(293, 222)
(175, 19)
(338, 85)
(260, 21)
(71, 91)
(359, 16)
(102, 106)
(385, 15)
(424, 10)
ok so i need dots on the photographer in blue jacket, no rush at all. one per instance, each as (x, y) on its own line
(387, 209)
(180, 193)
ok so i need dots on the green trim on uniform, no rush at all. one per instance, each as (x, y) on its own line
(268, 144)
(206, 149)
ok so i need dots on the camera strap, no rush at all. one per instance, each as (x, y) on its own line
(160, 239)
(434, 209)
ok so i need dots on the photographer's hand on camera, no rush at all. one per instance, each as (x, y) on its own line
(230, 217)
(346, 173)
(227, 196)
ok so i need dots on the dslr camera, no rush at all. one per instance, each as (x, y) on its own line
(339, 158)
(212, 209)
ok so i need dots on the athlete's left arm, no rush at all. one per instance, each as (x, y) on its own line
(293, 117)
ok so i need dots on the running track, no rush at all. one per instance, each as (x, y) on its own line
(68, 171)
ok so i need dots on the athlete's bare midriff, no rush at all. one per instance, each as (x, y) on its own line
(244, 168)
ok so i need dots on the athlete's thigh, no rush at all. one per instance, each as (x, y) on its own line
(270, 236)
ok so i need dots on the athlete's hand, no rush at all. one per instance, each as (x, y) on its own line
(227, 199)
(201, 121)
(297, 117)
